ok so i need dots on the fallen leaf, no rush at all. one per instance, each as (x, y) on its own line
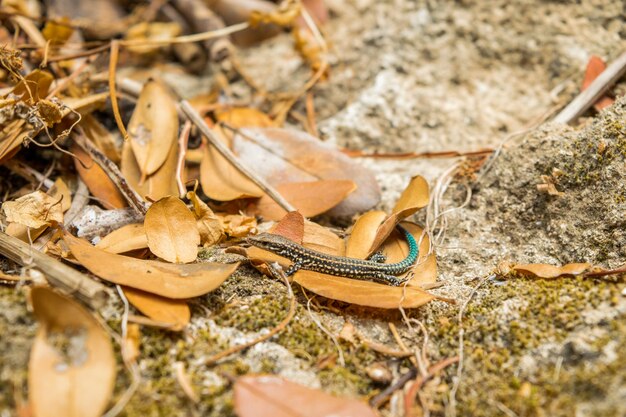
(550, 271)
(98, 182)
(71, 371)
(209, 225)
(273, 396)
(220, 180)
(291, 226)
(164, 310)
(34, 86)
(238, 225)
(103, 138)
(131, 344)
(125, 239)
(35, 210)
(164, 279)
(309, 198)
(286, 156)
(156, 186)
(364, 293)
(243, 117)
(363, 234)
(321, 239)
(414, 197)
(171, 231)
(153, 127)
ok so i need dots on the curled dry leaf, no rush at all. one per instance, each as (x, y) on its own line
(71, 371)
(273, 396)
(363, 234)
(164, 279)
(35, 210)
(58, 191)
(153, 127)
(285, 156)
(125, 239)
(309, 198)
(164, 310)
(238, 225)
(209, 225)
(98, 182)
(414, 197)
(171, 231)
(158, 185)
(550, 271)
(220, 180)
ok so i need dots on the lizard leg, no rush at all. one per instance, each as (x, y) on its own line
(293, 268)
(393, 280)
(379, 257)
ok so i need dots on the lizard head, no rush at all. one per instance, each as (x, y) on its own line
(270, 242)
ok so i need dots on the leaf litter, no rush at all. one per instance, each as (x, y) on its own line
(47, 115)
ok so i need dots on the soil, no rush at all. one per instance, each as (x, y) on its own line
(417, 76)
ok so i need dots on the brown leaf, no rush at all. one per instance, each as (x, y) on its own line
(98, 134)
(363, 234)
(273, 396)
(71, 371)
(237, 225)
(285, 156)
(165, 279)
(98, 182)
(209, 225)
(309, 198)
(220, 180)
(171, 231)
(164, 310)
(36, 209)
(153, 127)
(550, 271)
(34, 86)
(125, 239)
(156, 186)
(321, 239)
(414, 197)
(364, 293)
(243, 117)
(291, 226)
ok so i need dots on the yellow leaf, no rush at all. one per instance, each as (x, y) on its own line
(71, 371)
(164, 279)
(171, 231)
(153, 127)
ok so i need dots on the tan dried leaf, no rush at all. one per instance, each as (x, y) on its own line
(164, 279)
(175, 313)
(273, 396)
(72, 366)
(238, 225)
(171, 231)
(209, 225)
(36, 209)
(551, 271)
(153, 127)
(125, 239)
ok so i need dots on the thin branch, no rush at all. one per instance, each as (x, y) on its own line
(591, 94)
(57, 273)
(197, 120)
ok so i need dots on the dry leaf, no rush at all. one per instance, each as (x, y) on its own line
(132, 343)
(285, 156)
(98, 182)
(165, 279)
(158, 185)
(153, 127)
(364, 293)
(125, 239)
(164, 310)
(291, 226)
(321, 239)
(103, 138)
(58, 191)
(595, 67)
(414, 197)
(220, 180)
(550, 271)
(273, 396)
(36, 209)
(71, 371)
(34, 86)
(171, 231)
(238, 225)
(309, 198)
(363, 234)
(243, 117)
(209, 225)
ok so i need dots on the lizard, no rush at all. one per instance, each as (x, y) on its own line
(312, 260)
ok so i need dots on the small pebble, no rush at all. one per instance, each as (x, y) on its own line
(379, 372)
